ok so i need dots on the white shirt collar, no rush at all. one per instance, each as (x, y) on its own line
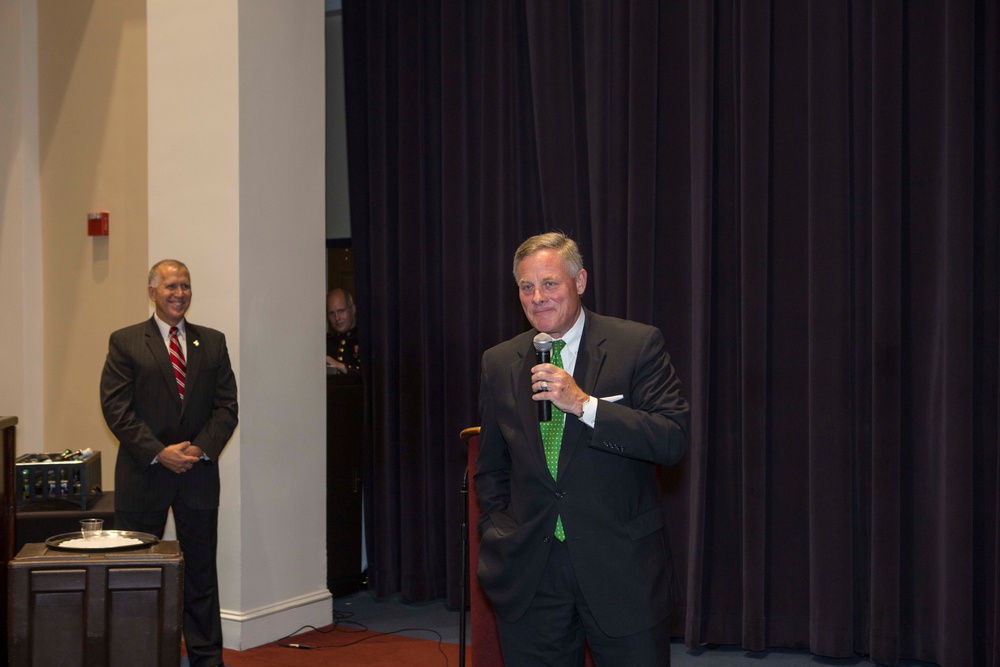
(572, 340)
(165, 328)
(574, 334)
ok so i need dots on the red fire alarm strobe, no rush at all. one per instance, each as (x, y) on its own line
(97, 224)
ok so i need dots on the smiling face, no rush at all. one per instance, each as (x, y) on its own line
(550, 293)
(171, 293)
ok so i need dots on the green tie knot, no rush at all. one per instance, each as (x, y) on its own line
(557, 348)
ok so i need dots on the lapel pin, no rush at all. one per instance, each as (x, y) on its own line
(196, 343)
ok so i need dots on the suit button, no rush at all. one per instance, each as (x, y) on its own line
(546, 539)
(560, 495)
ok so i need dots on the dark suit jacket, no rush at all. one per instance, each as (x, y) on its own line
(143, 409)
(607, 492)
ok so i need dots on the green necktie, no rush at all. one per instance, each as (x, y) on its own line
(552, 432)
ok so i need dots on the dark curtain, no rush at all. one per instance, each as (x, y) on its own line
(802, 195)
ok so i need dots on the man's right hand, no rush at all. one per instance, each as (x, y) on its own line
(174, 458)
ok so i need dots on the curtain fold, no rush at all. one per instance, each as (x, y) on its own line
(830, 340)
(752, 176)
(803, 196)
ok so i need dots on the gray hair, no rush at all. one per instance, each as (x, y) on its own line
(154, 271)
(568, 251)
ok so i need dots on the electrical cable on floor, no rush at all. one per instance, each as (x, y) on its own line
(343, 617)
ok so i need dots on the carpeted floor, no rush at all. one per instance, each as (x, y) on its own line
(393, 633)
(347, 648)
(396, 651)
(367, 631)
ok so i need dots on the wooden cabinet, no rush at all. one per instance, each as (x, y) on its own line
(106, 608)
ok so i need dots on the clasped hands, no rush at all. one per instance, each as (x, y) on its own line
(551, 383)
(180, 457)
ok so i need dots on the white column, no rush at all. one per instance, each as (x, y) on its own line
(236, 191)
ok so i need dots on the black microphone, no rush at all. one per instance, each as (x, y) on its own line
(543, 355)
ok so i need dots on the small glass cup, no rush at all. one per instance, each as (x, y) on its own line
(91, 528)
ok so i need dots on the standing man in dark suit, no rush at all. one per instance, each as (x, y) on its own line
(574, 542)
(169, 395)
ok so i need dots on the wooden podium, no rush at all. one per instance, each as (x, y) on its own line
(120, 608)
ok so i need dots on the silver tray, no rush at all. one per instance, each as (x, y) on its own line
(57, 541)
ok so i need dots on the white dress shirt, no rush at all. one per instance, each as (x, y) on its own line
(569, 354)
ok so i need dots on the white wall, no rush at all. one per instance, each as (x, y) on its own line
(92, 157)
(236, 163)
(282, 309)
(228, 164)
(21, 369)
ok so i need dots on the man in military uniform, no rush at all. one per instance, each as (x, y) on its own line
(342, 353)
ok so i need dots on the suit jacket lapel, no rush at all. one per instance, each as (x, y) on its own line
(589, 361)
(528, 409)
(195, 357)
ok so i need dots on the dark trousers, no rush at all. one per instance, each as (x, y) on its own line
(552, 631)
(197, 532)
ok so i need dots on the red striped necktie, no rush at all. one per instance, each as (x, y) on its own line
(177, 359)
